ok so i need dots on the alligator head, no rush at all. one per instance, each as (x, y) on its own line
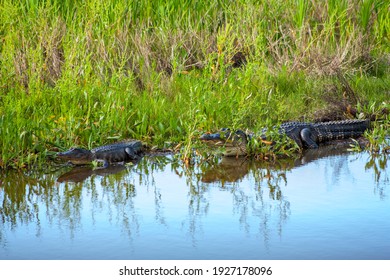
(77, 156)
(234, 143)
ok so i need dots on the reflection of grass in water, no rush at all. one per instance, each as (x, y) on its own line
(89, 73)
(26, 196)
(378, 164)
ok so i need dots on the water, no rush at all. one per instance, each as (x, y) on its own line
(327, 205)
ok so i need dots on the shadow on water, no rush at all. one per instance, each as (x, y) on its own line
(60, 199)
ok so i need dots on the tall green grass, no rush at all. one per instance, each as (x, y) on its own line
(89, 72)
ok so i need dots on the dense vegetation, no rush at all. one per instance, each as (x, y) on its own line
(88, 72)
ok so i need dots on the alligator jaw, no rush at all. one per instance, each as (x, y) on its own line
(77, 156)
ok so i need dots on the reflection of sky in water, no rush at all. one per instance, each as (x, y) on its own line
(330, 208)
(337, 211)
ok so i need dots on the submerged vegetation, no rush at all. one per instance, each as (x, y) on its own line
(88, 72)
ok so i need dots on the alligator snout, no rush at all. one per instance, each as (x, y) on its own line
(210, 137)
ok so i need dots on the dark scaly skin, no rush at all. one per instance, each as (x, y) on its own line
(309, 135)
(108, 154)
(306, 135)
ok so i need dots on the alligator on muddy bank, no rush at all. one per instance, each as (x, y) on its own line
(114, 153)
(306, 135)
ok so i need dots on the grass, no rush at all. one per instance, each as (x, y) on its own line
(88, 72)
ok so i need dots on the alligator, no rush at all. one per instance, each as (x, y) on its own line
(114, 153)
(306, 135)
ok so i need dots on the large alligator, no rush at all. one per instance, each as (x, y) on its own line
(113, 153)
(306, 135)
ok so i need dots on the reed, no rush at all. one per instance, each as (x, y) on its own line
(89, 72)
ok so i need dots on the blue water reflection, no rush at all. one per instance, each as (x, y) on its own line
(317, 207)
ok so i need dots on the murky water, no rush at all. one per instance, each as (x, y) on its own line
(327, 205)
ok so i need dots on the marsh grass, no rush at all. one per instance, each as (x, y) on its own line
(87, 73)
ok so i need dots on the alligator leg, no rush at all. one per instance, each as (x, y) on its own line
(130, 152)
(308, 139)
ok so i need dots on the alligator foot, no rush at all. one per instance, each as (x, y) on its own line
(308, 139)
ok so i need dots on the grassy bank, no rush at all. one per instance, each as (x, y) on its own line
(88, 72)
